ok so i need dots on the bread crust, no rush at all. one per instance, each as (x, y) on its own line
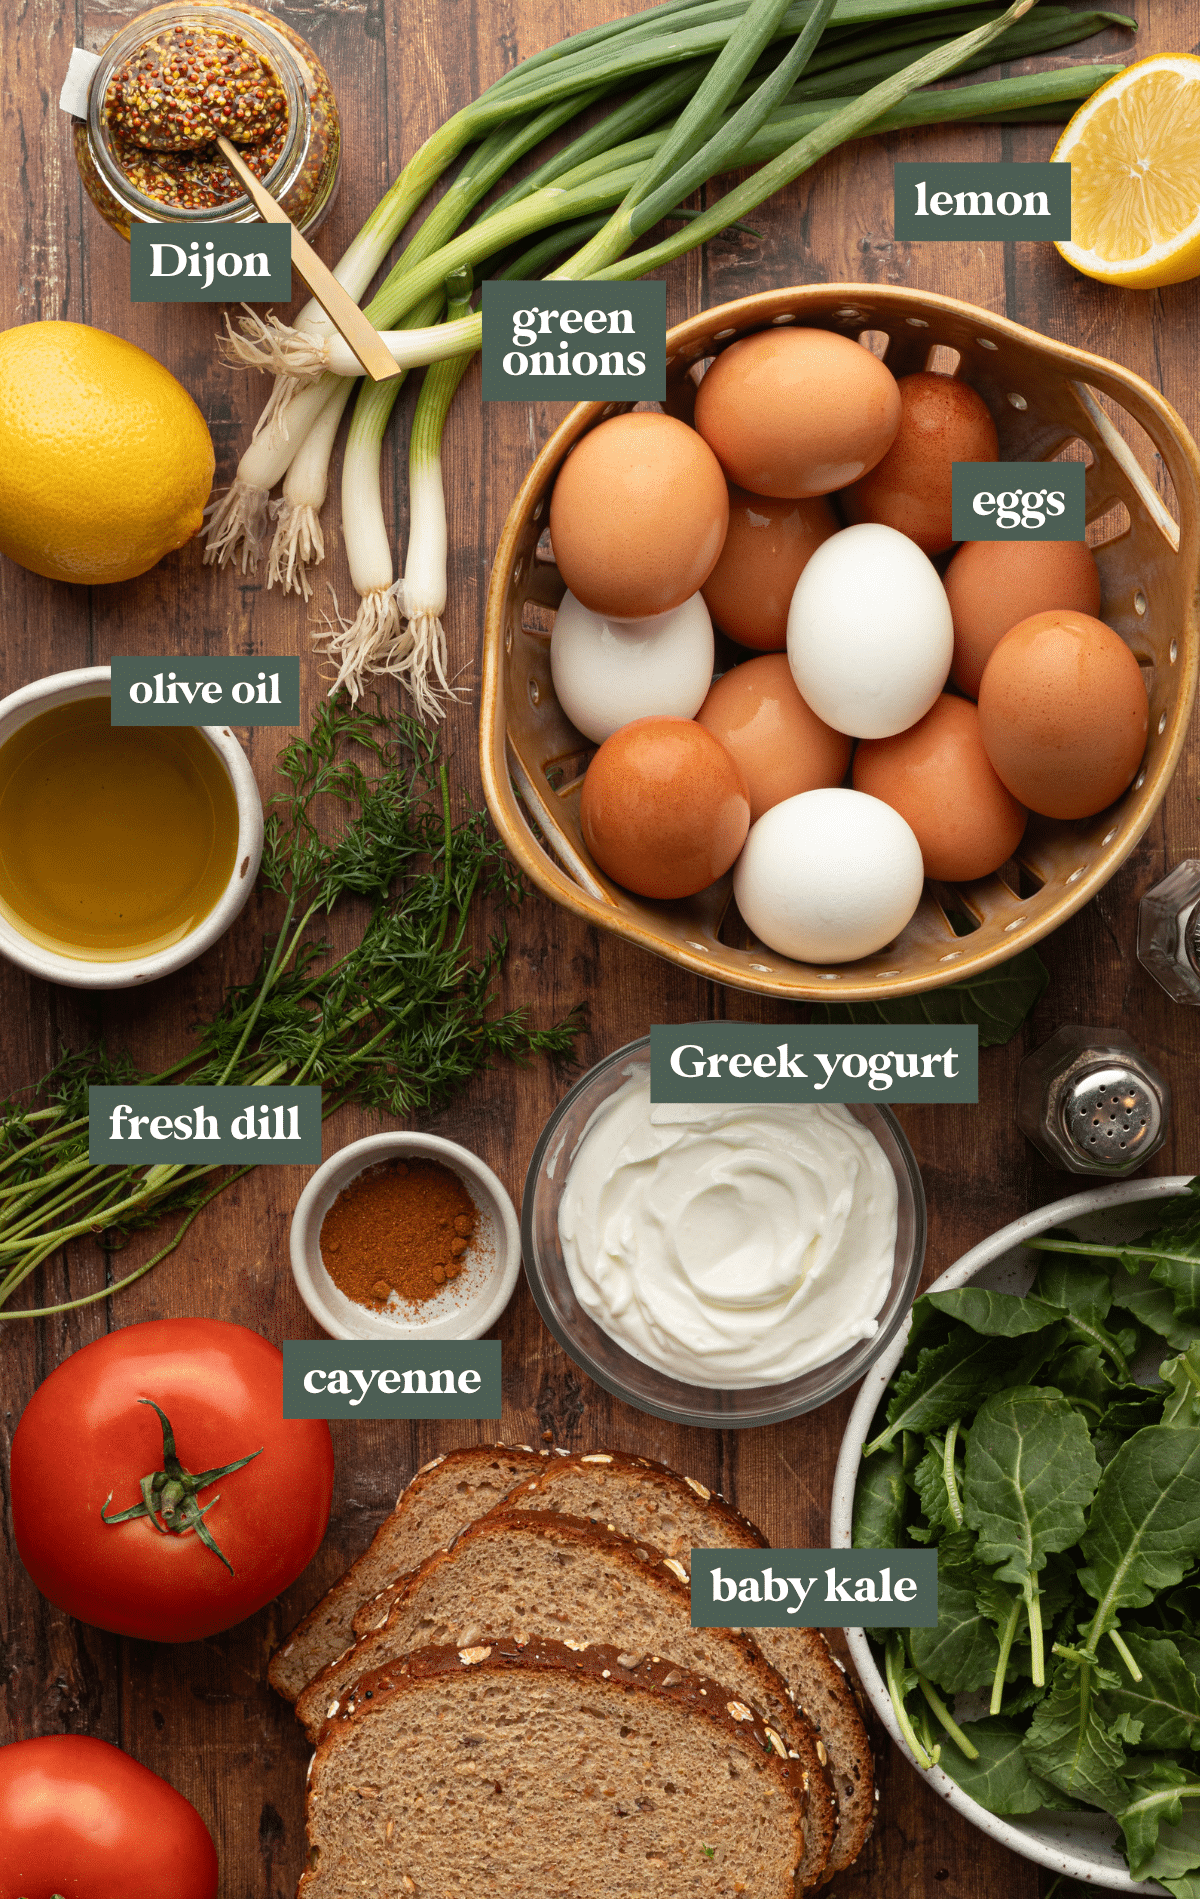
(606, 1673)
(800, 1655)
(322, 1699)
(739, 1532)
(320, 1636)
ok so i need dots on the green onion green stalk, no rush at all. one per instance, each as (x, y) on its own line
(711, 94)
(425, 581)
(784, 146)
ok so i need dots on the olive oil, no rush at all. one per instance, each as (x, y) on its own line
(115, 841)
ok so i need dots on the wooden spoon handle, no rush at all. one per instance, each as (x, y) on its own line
(362, 336)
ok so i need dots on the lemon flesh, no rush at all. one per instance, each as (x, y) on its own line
(105, 461)
(1134, 152)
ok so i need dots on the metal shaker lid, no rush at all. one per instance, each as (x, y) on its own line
(1111, 1118)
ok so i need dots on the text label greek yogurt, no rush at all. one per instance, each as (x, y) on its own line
(747, 1062)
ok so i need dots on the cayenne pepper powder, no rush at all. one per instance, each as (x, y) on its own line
(405, 1227)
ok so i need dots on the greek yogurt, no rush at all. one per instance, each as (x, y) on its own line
(730, 1246)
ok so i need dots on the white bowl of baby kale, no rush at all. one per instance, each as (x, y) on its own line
(1083, 1845)
(465, 1307)
(128, 850)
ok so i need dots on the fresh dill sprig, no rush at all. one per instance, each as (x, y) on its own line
(400, 1022)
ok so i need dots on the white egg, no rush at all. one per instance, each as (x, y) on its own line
(828, 876)
(607, 672)
(870, 634)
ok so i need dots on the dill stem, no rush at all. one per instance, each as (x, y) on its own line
(261, 997)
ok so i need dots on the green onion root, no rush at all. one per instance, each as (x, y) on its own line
(375, 640)
(237, 520)
(298, 542)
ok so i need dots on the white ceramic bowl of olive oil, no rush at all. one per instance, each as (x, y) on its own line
(125, 851)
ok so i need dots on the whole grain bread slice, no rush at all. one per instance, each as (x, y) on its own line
(538, 1772)
(819, 1684)
(443, 1496)
(542, 1574)
(645, 1499)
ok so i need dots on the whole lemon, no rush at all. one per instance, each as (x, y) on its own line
(105, 461)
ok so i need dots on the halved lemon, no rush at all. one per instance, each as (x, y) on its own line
(1134, 152)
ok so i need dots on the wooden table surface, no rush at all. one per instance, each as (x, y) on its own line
(203, 1716)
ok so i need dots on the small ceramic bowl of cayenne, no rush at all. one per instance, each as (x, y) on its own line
(405, 1236)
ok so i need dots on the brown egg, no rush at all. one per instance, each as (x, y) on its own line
(937, 776)
(664, 808)
(775, 739)
(1064, 713)
(766, 550)
(992, 584)
(942, 421)
(638, 515)
(797, 412)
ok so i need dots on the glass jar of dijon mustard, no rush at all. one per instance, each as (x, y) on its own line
(173, 79)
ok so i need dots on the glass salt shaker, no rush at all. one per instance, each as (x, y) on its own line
(1169, 932)
(1091, 1102)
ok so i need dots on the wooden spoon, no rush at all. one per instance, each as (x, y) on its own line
(362, 336)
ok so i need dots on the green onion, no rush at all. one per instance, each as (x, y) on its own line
(237, 521)
(738, 104)
(298, 542)
(791, 141)
(239, 518)
(632, 222)
(375, 632)
(1051, 28)
(425, 564)
(839, 48)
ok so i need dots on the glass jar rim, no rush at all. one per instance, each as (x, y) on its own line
(239, 210)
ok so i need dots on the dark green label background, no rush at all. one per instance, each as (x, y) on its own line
(823, 1606)
(220, 707)
(556, 379)
(804, 1046)
(274, 241)
(1019, 484)
(959, 180)
(402, 1361)
(224, 1106)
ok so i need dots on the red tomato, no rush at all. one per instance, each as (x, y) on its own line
(80, 1819)
(87, 1440)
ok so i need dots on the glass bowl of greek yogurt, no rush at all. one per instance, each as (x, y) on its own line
(720, 1265)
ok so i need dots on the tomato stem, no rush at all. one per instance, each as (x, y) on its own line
(169, 1494)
